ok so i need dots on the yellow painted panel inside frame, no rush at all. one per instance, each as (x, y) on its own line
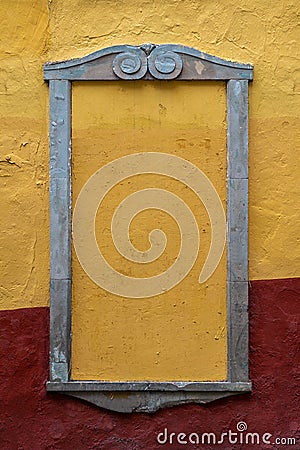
(179, 334)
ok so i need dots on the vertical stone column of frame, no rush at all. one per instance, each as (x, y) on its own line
(60, 226)
(237, 226)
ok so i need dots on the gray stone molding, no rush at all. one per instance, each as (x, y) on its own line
(148, 62)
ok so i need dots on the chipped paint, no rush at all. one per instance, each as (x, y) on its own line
(199, 67)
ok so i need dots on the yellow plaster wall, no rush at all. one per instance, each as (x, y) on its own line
(24, 155)
(34, 31)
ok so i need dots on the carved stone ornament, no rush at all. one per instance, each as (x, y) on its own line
(148, 62)
(162, 64)
(133, 63)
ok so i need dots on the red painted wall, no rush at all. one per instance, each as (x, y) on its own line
(31, 419)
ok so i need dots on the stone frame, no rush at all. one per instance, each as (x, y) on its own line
(148, 62)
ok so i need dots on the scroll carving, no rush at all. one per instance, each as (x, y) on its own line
(134, 64)
(164, 65)
(130, 65)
